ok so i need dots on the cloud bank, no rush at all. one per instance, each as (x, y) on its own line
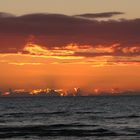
(121, 37)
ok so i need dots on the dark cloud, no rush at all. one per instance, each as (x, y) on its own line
(115, 53)
(53, 30)
(5, 15)
(100, 15)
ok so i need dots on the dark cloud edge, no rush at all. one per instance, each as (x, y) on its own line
(100, 15)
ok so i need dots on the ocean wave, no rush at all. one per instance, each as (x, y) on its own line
(115, 117)
(33, 114)
(52, 130)
(89, 112)
(124, 117)
(132, 130)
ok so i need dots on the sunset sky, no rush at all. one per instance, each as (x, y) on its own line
(65, 44)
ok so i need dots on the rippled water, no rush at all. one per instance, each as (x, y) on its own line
(70, 118)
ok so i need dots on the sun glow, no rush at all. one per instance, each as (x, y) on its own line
(70, 66)
(39, 50)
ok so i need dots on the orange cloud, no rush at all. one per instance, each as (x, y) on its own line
(97, 56)
(39, 50)
(22, 64)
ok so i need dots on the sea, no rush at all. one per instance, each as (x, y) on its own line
(70, 118)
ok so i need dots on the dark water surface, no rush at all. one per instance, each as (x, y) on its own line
(70, 118)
